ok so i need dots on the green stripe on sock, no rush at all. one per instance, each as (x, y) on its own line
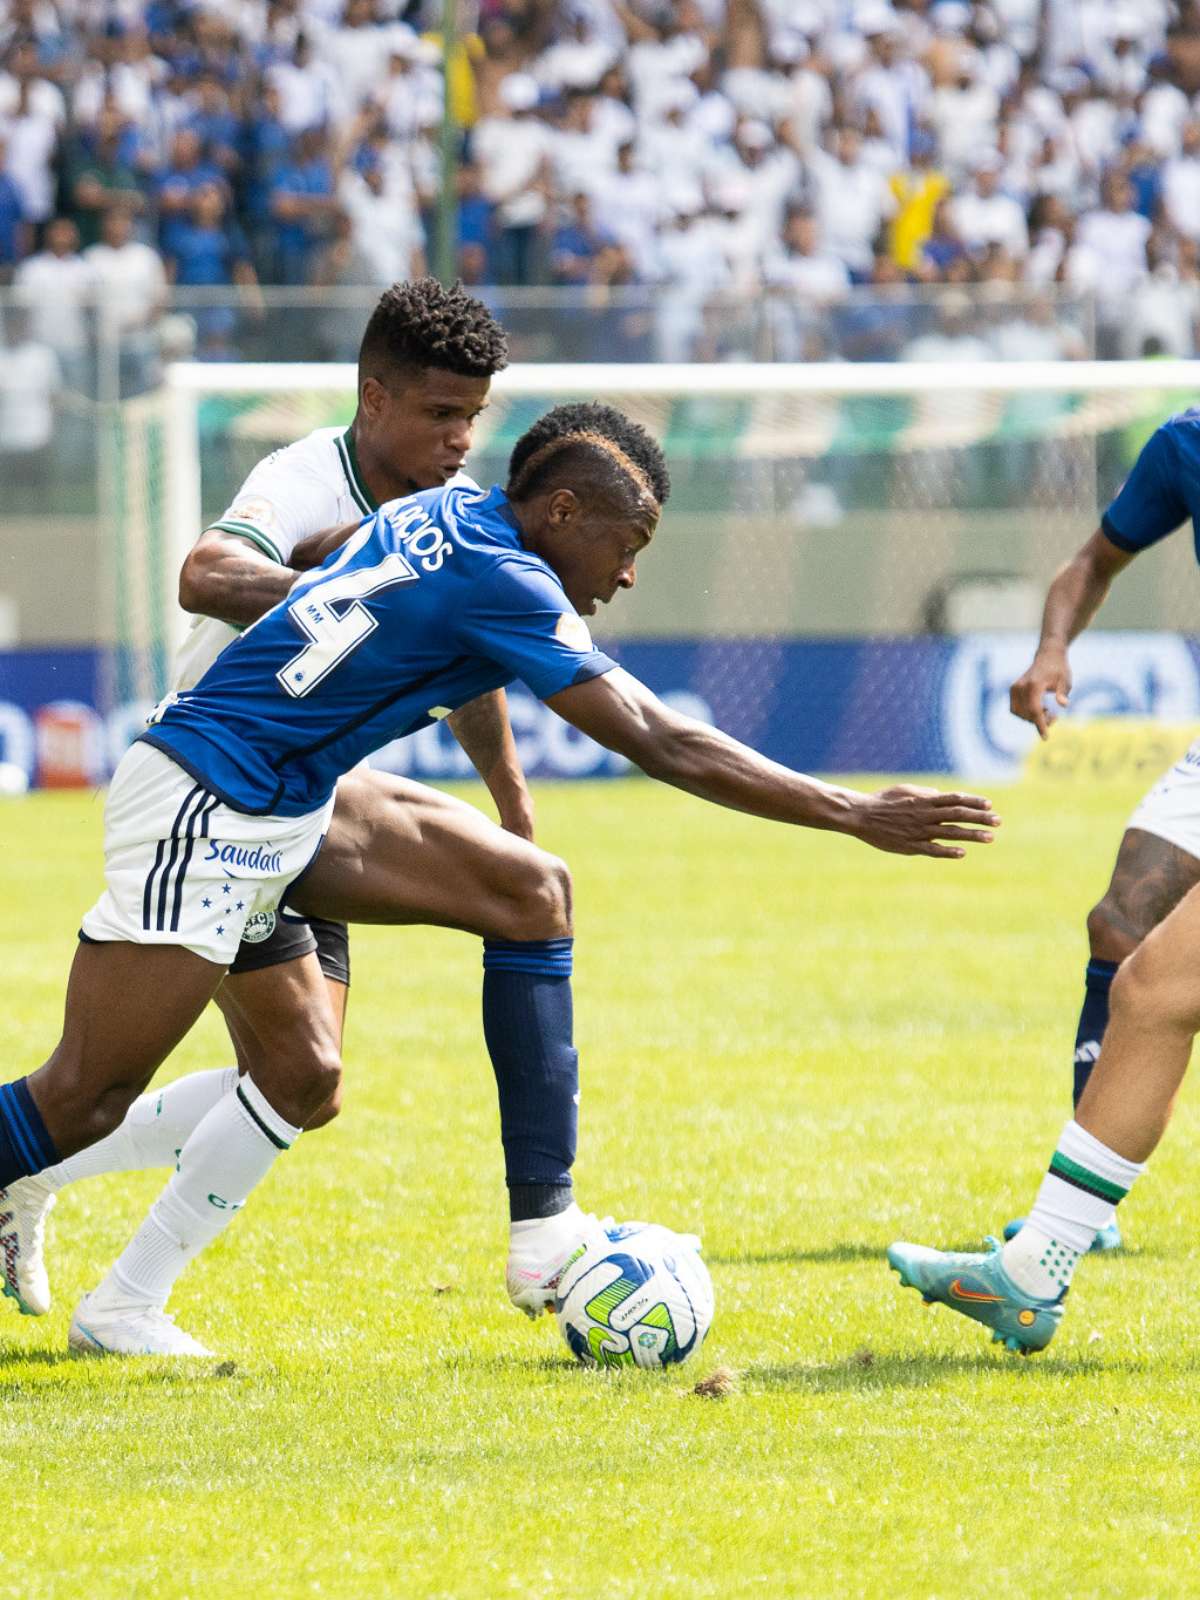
(1063, 1167)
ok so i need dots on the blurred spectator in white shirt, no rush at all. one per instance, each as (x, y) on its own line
(1181, 184)
(853, 201)
(1165, 312)
(1031, 329)
(661, 57)
(514, 154)
(577, 59)
(802, 282)
(56, 286)
(691, 276)
(32, 141)
(387, 230)
(964, 113)
(131, 283)
(310, 92)
(984, 215)
(629, 204)
(22, 83)
(579, 154)
(128, 274)
(30, 382)
(410, 96)
(1118, 235)
(678, 152)
(612, 119)
(895, 88)
(358, 51)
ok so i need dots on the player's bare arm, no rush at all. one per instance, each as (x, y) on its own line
(229, 578)
(483, 730)
(1073, 599)
(621, 713)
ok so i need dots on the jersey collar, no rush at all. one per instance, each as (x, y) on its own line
(497, 502)
(348, 456)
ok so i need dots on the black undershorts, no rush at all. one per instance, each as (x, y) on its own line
(286, 940)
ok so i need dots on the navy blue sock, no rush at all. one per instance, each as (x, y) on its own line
(25, 1146)
(527, 1022)
(1093, 1020)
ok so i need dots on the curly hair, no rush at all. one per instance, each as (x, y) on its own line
(590, 416)
(424, 324)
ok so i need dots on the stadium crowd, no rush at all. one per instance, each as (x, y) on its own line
(705, 149)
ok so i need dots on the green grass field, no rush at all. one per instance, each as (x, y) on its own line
(797, 1047)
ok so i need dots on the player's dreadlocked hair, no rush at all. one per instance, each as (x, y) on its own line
(423, 324)
(589, 416)
(592, 465)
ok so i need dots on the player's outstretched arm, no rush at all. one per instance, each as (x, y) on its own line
(622, 714)
(1073, 599)
(485, 733)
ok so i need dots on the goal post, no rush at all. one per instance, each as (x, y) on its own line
(835, 507)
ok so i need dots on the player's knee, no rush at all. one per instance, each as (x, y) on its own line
(327, 1112)
(1113, 930)
(1148, 993)
(300, 1081)
(540, 906)
(80, 1112)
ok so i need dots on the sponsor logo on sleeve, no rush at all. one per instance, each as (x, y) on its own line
(572, 631)
(260, 513)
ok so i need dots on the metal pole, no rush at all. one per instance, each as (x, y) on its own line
(446, 244)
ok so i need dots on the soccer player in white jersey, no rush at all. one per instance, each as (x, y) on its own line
(1142, 1001)
(1158, 861)
(397, 851)
(227, 797)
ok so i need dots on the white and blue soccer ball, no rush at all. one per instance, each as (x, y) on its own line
(637, 1295)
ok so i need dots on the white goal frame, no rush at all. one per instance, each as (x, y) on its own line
(185, 384)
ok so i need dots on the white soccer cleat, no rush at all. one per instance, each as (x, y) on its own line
(24, 1207)
(129, 1331)
(540, 1252)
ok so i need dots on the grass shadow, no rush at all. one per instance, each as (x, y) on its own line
(837, 1254)
(27, 1373)
(865, 1371)
(517, 1365)
(13, 1361)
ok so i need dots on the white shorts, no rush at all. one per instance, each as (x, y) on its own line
(184, 868)
(1171, 810)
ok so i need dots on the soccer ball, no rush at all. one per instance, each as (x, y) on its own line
(637, 1295)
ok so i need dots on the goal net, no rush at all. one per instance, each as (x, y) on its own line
(839, 540)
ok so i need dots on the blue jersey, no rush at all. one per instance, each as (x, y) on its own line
(432, 602)
(1163, 490)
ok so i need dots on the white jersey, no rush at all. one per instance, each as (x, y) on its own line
(290, 495)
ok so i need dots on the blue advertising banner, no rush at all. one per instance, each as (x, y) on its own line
(926, 704)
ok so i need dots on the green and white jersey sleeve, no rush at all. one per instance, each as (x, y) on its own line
(288, 496)
(291, 494)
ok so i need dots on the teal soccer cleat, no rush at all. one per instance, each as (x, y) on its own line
(979, 1288)
(1109, 1237)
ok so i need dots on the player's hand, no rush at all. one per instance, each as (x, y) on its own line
(910, 821)
(1049, 674)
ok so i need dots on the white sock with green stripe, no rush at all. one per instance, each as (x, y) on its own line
(232, 1149)
(156, 1127)
(1079, 1193)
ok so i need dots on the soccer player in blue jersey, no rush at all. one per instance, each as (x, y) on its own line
(1158, 860)
(225, 800)
(1144, 934)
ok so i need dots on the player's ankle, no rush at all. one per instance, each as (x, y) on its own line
(536, 1202)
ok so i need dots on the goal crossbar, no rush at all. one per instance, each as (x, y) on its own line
(734, 379)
